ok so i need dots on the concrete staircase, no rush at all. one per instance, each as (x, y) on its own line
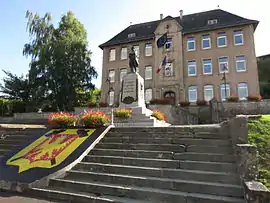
(153, 165)
(15, 136)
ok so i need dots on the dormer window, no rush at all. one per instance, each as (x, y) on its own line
(131, 35)
(212, 22)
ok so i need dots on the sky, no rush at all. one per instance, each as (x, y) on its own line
(103, 19)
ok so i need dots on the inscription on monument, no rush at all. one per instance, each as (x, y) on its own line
(129, 90)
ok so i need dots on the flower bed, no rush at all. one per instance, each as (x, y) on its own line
(94, 119)
(123, 113)
(201, 102)
(62, 119)
(254, 98)
(158, 115)
(184, 103)
(161, 101)
(233, 99)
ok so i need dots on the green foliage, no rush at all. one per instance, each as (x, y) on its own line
(86, 98)
(10, 106)
(123, 113)
(60, 60)
(264, 72)
(259, 135)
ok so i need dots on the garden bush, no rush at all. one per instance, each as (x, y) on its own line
(254, 98)
(123, 113)
(201, 102)
(259, 135)
(94, 119)
(158, 115)
(184, 103)
(161, 101)
(62, 119)
(233, 99)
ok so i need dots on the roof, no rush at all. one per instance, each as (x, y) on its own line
(191, 23)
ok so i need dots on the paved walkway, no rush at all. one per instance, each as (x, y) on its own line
(14, 198)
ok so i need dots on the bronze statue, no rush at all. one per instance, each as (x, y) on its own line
(133, 64)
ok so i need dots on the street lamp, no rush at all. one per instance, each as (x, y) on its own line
(225, 69)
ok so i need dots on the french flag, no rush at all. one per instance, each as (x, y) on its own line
(162, 64)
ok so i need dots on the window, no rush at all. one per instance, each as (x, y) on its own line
(148, 72)
(207, 66)
(240, 63)
(131, 35)
(111, 76)
(212, 22)
(206, 42)
(168, 44)
(137, 51)
(208, 92)
(242, 91)
(191, 44)
(238, 37)
(112, 55)
(224, 91)
(111, 98)
(169, 70)
(192, 93)
(148, 49)
(124, 53)
(222, 39)
(192, 70)
(123, 72)
(148, 95)
(223, 63)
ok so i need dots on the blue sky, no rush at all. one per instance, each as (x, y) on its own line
(105, 18)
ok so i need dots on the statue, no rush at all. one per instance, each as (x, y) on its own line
(133, 64)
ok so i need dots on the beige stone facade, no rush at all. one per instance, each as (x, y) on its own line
(192, 75)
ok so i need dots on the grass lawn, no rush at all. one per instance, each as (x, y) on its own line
(259, 135)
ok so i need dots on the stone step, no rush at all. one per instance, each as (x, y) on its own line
(22, 132)
(161, 163)
(13, 141)
(3, 145)
(143, 193)
(210, 157)
(73, 196)
(166, 140)
(159, 183)
(208, 166)
(165, 155)
(166, 147)
(4, 151)
(166, 135)
(133, 153)
(221, 177)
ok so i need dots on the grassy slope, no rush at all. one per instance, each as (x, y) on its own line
(259, 135)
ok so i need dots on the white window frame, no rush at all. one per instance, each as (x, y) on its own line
(239, 34)
(112, 55)
(124, 52)
(150, 70)
(148, 92)
(192, 89)
(172, 71)
(207, 88)
(148, 48)
(206, 64)
(223, 63)
(112, 76)
(220, 37)
(240, 61)
(204, 39)
(191, 40)
(123, 72)
(192, 65)
(111, 98)
(242, 85)
(228, 90)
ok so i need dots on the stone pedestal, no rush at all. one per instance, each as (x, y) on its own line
(132, 96)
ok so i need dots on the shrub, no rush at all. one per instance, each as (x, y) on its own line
(233, 99)
(92, 104)
(94, 119)
(123, 113)
(101, 104)
(158, 115)
(62, 119)
(184, 103)
(201, 102)
(161, 101)
(254, 98)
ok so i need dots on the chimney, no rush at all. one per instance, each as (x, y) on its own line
(161, 16)
(181, 14)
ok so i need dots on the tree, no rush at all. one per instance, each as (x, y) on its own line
(60, 59)
(86, 97)
(16, 87)
(264, 79)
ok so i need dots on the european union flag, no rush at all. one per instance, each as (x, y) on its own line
(162, 40)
